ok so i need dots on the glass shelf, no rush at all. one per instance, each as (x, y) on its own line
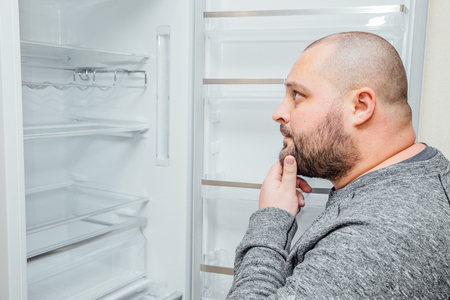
(64, 86)
(51, 207)
(303, 24)
(72, 233)
(81, 127)
(77, 56)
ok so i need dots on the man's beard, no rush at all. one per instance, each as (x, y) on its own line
(328, 152)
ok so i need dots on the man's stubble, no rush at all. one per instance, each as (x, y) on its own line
(327, 152)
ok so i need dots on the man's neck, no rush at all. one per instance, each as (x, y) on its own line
(365, 167)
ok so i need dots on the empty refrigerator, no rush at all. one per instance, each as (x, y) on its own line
(136, 135)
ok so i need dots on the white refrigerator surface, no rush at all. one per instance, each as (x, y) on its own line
(135, 135)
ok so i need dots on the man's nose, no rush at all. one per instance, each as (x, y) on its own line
(281, 114)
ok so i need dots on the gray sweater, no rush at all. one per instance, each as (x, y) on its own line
(386, 235)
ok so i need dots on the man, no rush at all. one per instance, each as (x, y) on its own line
(385, 232)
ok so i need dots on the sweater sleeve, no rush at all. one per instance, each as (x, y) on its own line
(352, 259)
(259, 269)
(344, 259)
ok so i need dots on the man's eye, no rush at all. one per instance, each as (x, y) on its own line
(297, 95)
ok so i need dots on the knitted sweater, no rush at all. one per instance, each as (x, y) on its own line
(386, 235)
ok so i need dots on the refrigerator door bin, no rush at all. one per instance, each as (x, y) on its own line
(55, 206)
(263, 89)
(250, 44)
(224, 224)
(226, 213)
(239, 112)
(88, 270)
(299, 23)
(227, 219)
(239, 132)
(71, 233)
(216, 281)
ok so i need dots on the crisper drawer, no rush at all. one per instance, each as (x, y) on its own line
(90, 269)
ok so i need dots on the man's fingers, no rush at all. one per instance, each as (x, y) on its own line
(275, 172)
(303, 185)
(301, 199)
(289, 172)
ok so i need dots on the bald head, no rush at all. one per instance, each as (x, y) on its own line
(359, 59)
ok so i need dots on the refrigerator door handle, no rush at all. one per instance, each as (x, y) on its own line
(162, 95)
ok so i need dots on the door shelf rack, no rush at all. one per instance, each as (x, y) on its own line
(302, 24)
(264, 89)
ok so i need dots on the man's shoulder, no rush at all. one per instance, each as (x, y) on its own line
(405, 180)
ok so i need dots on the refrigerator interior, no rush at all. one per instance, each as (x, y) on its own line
(109, 122)
(107, 154)
(249, 48)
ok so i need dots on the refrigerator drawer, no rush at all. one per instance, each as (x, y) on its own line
(88, 270)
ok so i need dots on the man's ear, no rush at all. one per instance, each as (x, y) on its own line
(363, 103)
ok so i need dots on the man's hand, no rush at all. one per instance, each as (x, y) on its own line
(279, 189)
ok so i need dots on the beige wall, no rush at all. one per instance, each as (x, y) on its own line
(435, 122)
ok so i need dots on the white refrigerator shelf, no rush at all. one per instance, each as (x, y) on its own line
(64, 86)
(66, 53)
(80, 231)
(53, 207)
(81, 128)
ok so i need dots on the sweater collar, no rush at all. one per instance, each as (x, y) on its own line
(434, 165)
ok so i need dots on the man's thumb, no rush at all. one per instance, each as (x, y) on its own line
(290, 171)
